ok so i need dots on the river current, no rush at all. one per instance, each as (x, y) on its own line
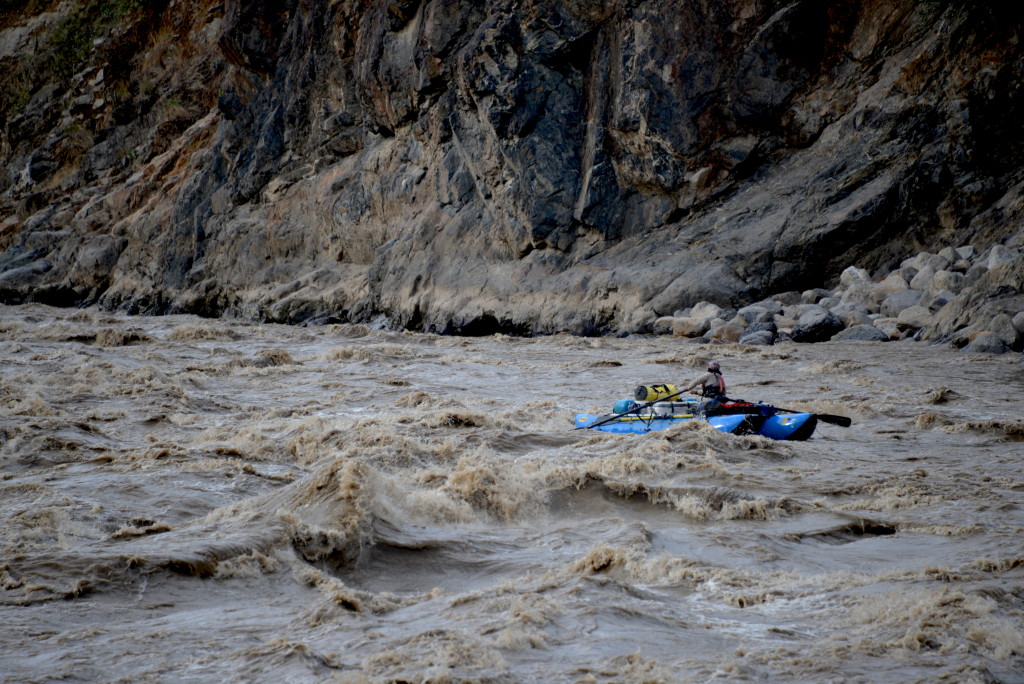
(196, 500)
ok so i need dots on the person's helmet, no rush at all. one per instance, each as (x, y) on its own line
(713, 366)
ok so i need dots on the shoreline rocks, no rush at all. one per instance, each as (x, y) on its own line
(972, 300)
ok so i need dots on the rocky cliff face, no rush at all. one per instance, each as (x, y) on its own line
(526, 166)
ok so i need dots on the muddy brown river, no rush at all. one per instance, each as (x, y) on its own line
(190, 500)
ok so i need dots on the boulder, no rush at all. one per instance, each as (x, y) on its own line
(852, 316)
(898, 301)
(807, 308)
(975, 273)
(816, 326)
(947, 280)
(939, 300)
(727, 332)
(923, 280)
(894, 282)
(915, 318)
(760, 338)
(1000, 256)
(906, 271)
(949, 254)
(1003, 328)
(966, 252)
(665, 325)
(815, 295)
(987, 343)
(786, 298)
(783, 322)
(753, 313)
(771, 306)
(829, 302)
(1018, 322)
(690, 326)
(25, 276)
(760, 326)
(706, 310)
(860, 293)
(861, 333)
(889, 326)
(935, 262)
(641, 319)
(853, 275)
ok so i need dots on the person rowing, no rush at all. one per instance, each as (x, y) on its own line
(712, 389)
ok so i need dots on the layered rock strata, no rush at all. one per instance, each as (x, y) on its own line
(472, 167)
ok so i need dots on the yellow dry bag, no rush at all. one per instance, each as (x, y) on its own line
(654, 392)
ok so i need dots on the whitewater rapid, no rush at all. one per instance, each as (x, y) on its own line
(200, 500)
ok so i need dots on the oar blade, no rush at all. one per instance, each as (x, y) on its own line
(841, 421)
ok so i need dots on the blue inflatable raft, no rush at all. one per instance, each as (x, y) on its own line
(737, 419)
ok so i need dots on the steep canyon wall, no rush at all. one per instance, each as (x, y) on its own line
(528, 166)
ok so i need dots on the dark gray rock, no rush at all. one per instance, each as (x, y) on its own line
(785, 299)
(815, 295)
(763, 326)
(753, 313)
(941, 298)
(861, 333)
(987, 343)
(816, 326)
(771, 306)
(897, 301)
(545, 166)
(1002, 326)
(830, 302)
(1000, 256)
(758, 338)
(852, 315)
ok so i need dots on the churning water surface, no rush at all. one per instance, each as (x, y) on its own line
(208, 500)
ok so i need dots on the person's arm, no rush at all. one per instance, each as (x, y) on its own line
(694, 384)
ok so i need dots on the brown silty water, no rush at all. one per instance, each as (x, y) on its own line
(209, 500)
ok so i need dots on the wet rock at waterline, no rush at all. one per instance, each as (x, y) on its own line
(987, 316)
(863, 333)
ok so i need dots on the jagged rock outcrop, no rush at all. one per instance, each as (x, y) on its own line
(524, 166)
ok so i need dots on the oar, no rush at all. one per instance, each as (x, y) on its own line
(841, 421)
(635, 409)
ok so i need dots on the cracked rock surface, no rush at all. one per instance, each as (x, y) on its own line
(525, 167)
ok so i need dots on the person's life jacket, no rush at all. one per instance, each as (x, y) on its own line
(716, 390)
